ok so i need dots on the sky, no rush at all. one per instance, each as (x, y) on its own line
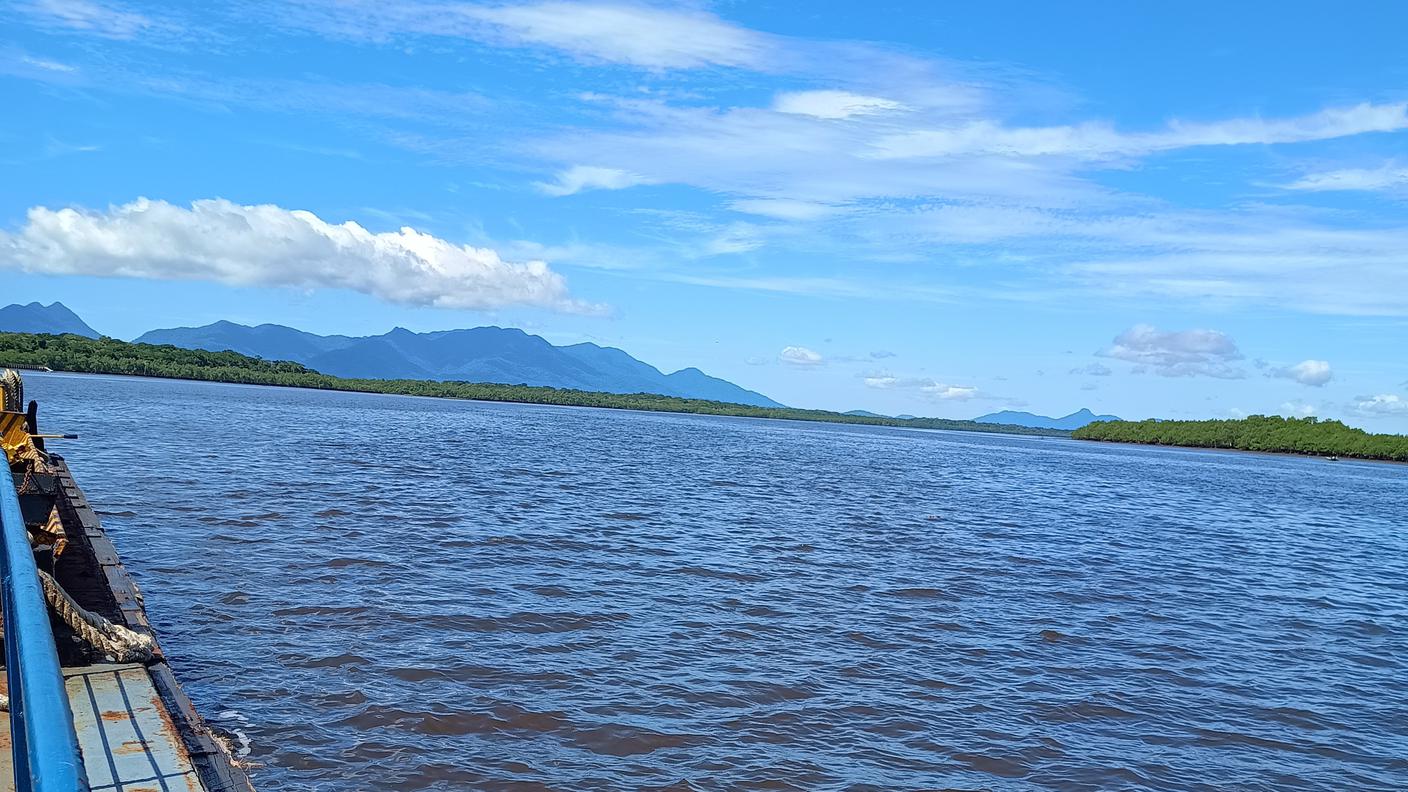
(1178, 210)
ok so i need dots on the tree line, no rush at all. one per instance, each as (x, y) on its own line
(1271, 433)
(111, 356)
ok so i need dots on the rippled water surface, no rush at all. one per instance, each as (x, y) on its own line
(400, 594)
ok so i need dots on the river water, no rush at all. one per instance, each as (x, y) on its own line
(388, 593)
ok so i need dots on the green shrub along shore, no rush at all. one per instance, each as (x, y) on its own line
(110, 356)
(1272, 434)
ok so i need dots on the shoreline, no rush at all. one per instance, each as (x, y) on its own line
(823, 416)
(1246, 451)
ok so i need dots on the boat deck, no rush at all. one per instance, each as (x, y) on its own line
(128, 740)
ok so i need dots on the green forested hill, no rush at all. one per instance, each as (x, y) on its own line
(1256, 433)
(110, 356)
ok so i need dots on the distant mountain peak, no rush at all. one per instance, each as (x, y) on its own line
(52, 319)
(1070, 422)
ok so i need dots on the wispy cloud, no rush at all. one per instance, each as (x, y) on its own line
(216, 240)
(862, 156)
(92, 17)
(833, 104)
(925, 386)
(1099, 141)
(1093, 370)
(1389, 176)
(626, 33)
(587, 177)
(48, 65)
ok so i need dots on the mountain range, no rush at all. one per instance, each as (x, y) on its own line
(1071, 422)
(480, 354)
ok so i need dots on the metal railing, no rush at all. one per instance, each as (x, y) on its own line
(43, 743)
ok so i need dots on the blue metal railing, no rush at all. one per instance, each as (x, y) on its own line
(43, 743)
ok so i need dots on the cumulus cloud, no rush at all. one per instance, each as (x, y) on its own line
(800, 356)
(1307, 372)
(1389, 176)
(1298, 409)
(1093, 370)
(1381, 404)
(589, 177)
(266, 245)
(833, 104)
(1186, 353)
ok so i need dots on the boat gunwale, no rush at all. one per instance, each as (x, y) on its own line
(217, 768)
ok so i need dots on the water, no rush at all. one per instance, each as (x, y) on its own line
(408, 594)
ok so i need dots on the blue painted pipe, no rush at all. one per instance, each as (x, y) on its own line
(44, 746)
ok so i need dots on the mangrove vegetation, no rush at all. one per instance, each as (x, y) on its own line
(111, 356)
(1268, 433)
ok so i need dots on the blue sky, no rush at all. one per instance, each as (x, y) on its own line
(1186, 210)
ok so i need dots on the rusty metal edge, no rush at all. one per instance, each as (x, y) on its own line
(212, 760)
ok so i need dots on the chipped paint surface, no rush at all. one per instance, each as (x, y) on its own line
(128, 740)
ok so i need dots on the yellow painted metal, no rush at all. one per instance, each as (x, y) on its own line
(14, 425)
(14, 436)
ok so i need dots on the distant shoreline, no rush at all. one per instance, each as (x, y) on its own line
(1306, 437)
(80, 355)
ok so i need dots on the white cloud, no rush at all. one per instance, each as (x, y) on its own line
(1381, 404)
(887, 381)
(589, 177)
(48, 65)
(1186, 353)
(1099, 141)
(928, 387)
(893, 158)
(629, 33)
(1025, 192)
(800, 356)
(881, 354)
(1263, 255)
(782, 209)
(1307, 372)
(266, 245)
(104, 19)
(1297, 409)
(833, 104)
(950, 392)
(1389, 176)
